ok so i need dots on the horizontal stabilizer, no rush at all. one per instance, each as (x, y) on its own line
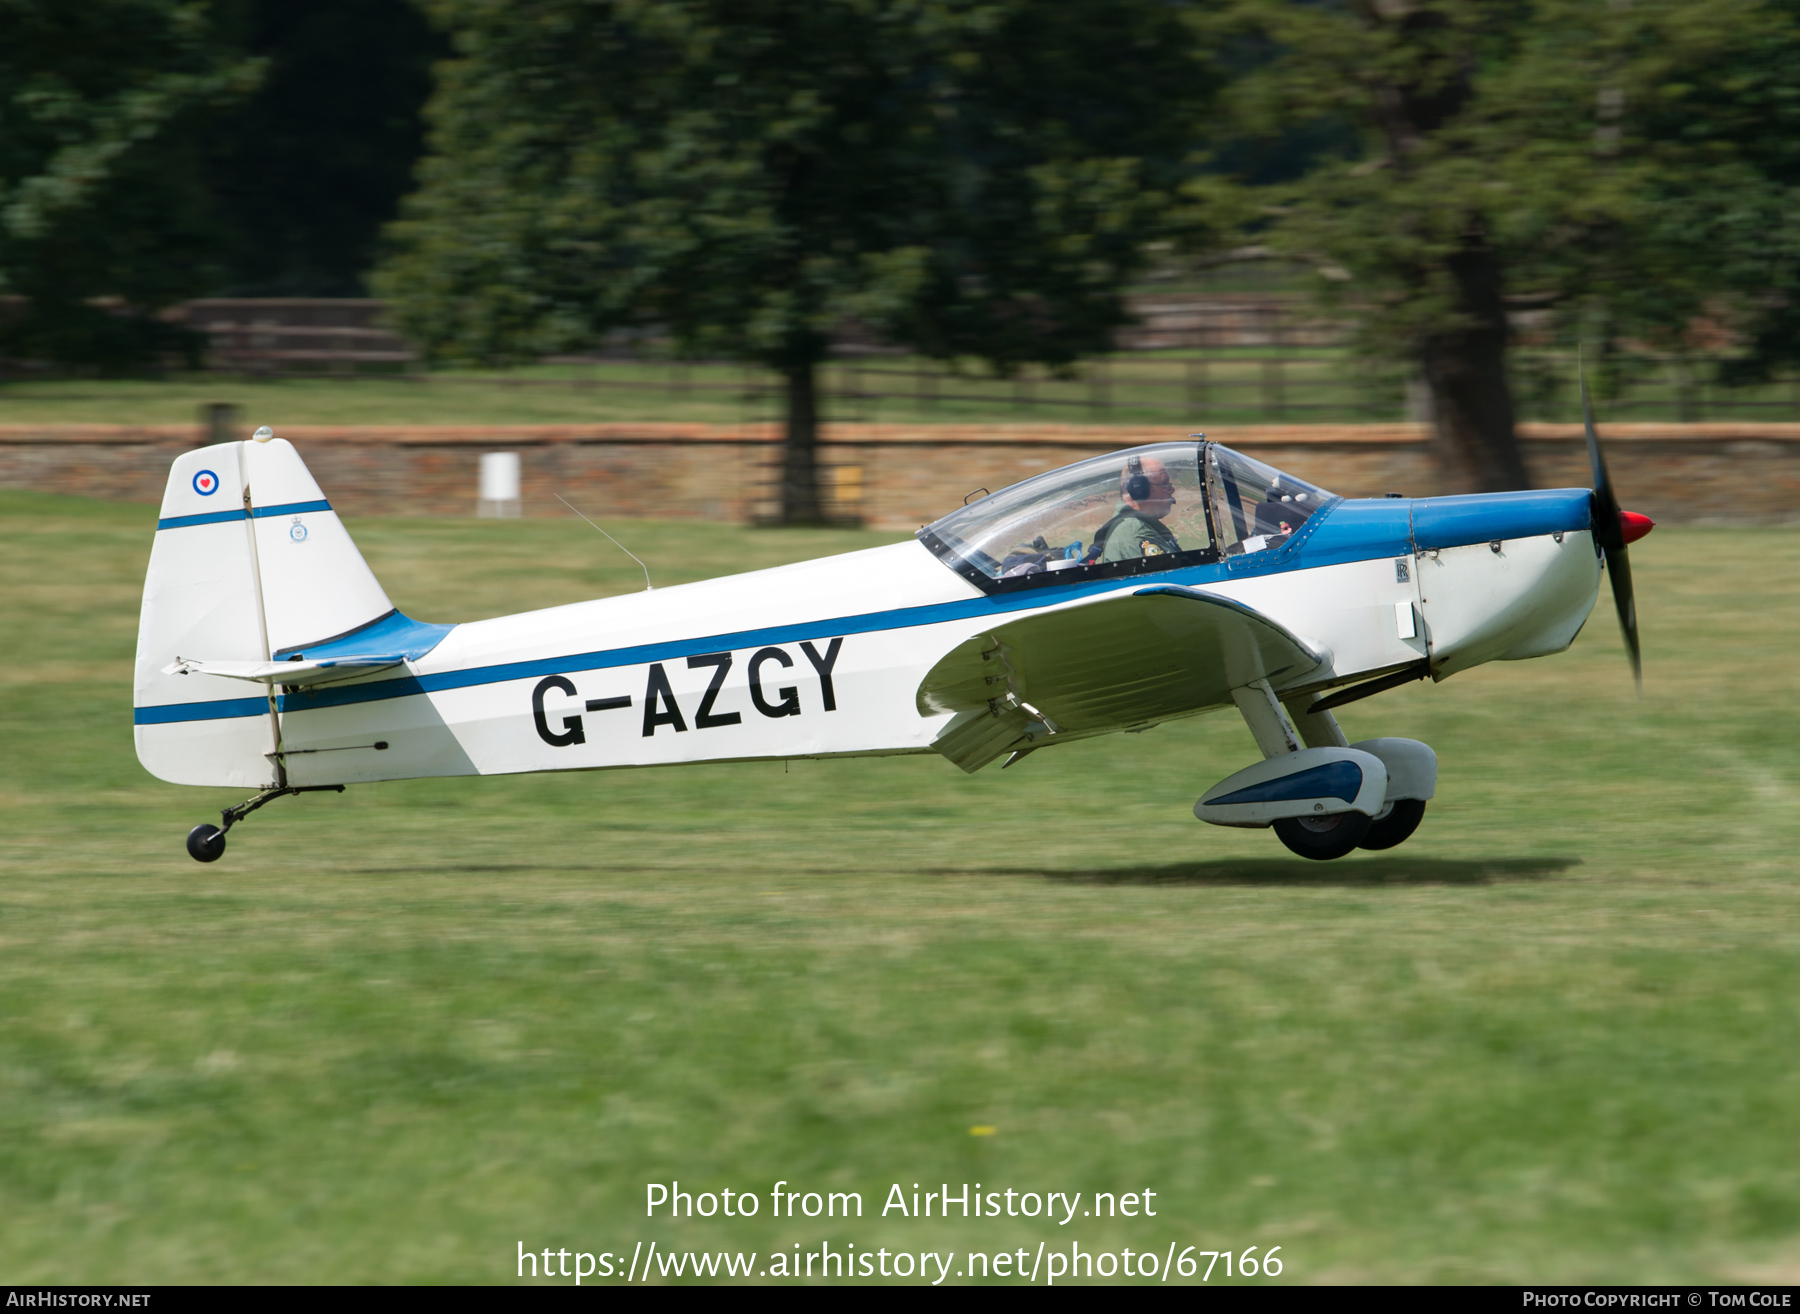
(323, 671)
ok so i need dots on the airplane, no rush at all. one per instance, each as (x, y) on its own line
(1111, 595)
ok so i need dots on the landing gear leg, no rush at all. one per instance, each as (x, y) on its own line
(206, 842)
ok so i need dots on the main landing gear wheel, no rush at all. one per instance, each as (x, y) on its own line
(1402, 819)
(205, 842)
(1323, 838)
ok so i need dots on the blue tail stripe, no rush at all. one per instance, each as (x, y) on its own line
(237, 513)
(210, 518)
(290, 508)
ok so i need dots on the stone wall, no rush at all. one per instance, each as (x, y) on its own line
(897, 476)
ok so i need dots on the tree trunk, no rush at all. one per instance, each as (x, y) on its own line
(799, 453)
(1465, 368)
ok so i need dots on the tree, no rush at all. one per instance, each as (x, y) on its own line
(302, 174)
(1597, 162)
(99, 179)
(970, 179)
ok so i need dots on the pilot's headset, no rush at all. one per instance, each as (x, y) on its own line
(1137, 483)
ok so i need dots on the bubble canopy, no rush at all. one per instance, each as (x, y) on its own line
(1138, 511)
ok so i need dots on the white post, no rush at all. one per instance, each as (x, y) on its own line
(499, 495)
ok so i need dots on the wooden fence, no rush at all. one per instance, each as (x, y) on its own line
(296, 335)
(890, 475)
(1240, 357)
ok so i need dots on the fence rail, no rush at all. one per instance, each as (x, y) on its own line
(1236, 385)
(296, 335)
(1238, 357)
(895, 475)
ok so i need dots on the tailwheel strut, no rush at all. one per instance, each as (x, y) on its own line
(206, 842)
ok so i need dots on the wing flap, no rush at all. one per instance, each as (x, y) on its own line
(977, 737)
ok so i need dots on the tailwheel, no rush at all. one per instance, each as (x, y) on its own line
(1323, 838)
(1395, 824)
(205, 843)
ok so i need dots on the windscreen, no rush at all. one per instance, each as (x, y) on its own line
(1079, 516)
(1256, 506)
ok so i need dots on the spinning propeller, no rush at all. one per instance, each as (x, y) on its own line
(1613, 529)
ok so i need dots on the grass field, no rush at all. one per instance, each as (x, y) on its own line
(394, 1034)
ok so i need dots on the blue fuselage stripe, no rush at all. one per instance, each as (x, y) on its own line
(237, 513)
(220, 710)
(641, 654)
(1343, 532)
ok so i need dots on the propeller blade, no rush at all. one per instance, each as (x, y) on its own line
(1607, 529)
(1618, 568)
(1609, 532)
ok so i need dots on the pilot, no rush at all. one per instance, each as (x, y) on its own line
(1146, 496)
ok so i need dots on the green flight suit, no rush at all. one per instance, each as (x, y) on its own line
(1135, 535)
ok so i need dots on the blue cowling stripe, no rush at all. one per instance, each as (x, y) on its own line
(1443, 522)
(1361, 529)
(1330, 780)
(220, 517)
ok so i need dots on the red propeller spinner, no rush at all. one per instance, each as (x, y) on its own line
(1633, 525)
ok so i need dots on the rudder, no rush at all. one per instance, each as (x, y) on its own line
(250, 561)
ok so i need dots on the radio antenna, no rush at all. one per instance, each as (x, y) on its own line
(648, 586)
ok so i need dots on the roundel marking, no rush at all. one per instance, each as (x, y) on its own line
(297, 531)
(206, 483)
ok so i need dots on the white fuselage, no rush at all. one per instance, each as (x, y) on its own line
(251, 570)
(875, 622)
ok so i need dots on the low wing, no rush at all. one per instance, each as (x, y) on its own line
(302, 672)
(1108, 663)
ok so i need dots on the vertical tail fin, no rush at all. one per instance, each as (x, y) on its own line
(250, 561)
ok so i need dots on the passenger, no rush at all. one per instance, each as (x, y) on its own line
(1146, 496)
